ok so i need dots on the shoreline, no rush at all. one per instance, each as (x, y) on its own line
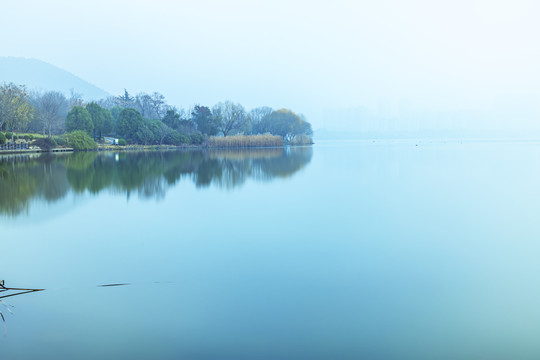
(35, 151)
(134, 148)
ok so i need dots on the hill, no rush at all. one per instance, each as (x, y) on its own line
(39, 75)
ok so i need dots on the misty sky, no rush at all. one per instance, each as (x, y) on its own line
(305, 55)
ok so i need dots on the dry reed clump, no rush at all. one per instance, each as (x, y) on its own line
(245, 141)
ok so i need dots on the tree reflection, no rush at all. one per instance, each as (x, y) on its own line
(24, 178)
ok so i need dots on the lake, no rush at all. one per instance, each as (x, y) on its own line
(344, 250)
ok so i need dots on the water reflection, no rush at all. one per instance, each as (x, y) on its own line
(24, 178)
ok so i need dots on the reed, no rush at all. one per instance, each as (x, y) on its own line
(245, 141)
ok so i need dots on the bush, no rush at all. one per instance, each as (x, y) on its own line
(2, 139)
(175, 138)
(8, 135)
(45, 143)
(122, 142)
(184, 139)
(80, 140)
(28, 137)
(60, 140)
(196, 138)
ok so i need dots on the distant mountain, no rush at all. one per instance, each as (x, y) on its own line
(39, 75)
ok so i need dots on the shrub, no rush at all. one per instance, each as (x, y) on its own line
(28, 137)
(45, 143)
(8, 135)
(80, 140)
(196, 138)
(122, 142)
(2, 139)
(175, 138)
(184, 139)
(60, 140)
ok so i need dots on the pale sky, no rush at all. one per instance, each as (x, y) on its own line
(304, 55)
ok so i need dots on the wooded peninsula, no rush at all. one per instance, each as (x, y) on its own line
(51, 119)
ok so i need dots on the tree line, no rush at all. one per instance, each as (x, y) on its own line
(145, 119)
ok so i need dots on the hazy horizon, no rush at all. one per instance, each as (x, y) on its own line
(393, 66)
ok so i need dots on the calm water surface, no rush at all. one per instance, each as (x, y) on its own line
(360, 250)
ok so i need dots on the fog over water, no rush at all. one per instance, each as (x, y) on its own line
(421, 67)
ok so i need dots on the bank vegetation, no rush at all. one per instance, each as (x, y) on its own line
(143, 120)
(246, 141)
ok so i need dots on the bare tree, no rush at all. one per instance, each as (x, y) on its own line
(51, 108)
(75, 99)
(108, 103)
(151, 106)
(143, 104)
(158, 105)
(257, 115)
(232, 118)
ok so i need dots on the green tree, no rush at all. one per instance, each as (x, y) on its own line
(172, 119)
(206, 123)
(79, 119)
(159, 131)
(144, 136)
(130, 121)
(102, 118)
(115, 112)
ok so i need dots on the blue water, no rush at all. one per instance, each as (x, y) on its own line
(351, 250)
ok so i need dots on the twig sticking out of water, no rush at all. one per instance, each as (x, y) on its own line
(21, 291)
(18, 291)
(108, 285)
